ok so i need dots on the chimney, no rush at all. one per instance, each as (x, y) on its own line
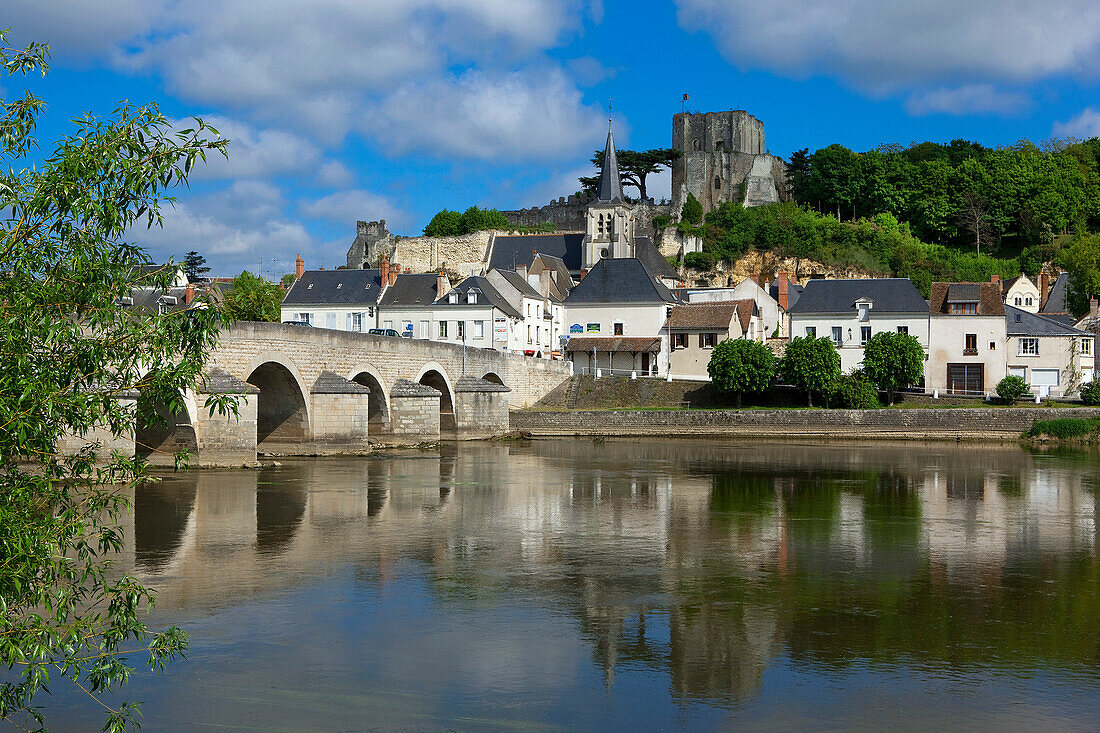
(1044, 289)
(299, 268)
(395, 270)
(190, 294)
(1093, 307)
(784, 283)
(995, 279)
(442, 285)
(544, 282)
(384, 269)
(522, 270)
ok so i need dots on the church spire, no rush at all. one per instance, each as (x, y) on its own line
(609, 188)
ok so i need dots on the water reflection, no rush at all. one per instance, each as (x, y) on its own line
(704, 563)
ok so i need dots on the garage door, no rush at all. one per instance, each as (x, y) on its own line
(965, 379)
(1043, 380)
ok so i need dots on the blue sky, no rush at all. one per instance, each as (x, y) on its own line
(364, 109)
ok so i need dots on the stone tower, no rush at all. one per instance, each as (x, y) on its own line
(372, 242)
(609, 223)
(723, 158)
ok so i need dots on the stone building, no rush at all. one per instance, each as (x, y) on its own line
(609, 223)
(373, 242)
(722, 159)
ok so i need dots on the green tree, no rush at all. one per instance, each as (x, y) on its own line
(692, 211)
(741, 366)
(252, 298)
(634, 167)
(477, 220)
(69, 354)
(194, 266)
(287, 280)
(1012, 388)
(810, 364)
(445, 223)
(893, 361)
(1082, 261)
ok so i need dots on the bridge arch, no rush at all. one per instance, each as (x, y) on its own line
(163, 428)
(283, 410)
(433, 375)
(378, 405)
(493, 377)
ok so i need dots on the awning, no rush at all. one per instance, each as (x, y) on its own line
(620, 344)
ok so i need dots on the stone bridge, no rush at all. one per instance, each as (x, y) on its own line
(309, 390)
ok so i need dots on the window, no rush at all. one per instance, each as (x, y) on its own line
(864, 335)
(707, 340)
(970, 344)
(963, 309)
(1029, 347)
(424, 332)
(479, 329)
(460, 330)
(1019, 300)
(811, 332)
(695, 144)
(838, 335)
(1027, 301)
(618, 329)
(471, 296)
(864, 311)
(307, 317)
(903, 329)
(965, 378)
(452, 297)
(357, 322)
(442, 329)
(387, 325)
(1086, 347)
(717, 183)
(679, 340)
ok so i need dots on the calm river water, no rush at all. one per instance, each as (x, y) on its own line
(645, 584)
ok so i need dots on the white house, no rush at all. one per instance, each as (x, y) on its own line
(850, 312)
(342, 300)
(540, 328)
(1020, 292)
(967, 338)
(1055, 359)
(696, 328)
(615, 317)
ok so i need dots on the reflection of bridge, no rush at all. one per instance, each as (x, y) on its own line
(307, 390)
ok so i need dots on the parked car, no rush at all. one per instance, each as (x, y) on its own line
(383, 332)
(297, 323)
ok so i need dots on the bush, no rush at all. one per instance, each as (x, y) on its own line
(741, 366)
(1012, 388)
(1065, 427)
(854, 392)
(1090, 393)
(692, 213)
(700, 260)
(476, 220)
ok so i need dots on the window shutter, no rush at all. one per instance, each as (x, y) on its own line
(347, 326)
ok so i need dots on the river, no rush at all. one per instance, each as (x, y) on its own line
(625, 584)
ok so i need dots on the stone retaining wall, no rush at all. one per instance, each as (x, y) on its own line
(930, 423)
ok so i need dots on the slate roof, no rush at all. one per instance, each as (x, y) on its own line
(519, 282)
(410, 289)
(989, 298)
(1056, 301)
(513, 250)
(620, 280)
(149, 299)
(336, 287)
(1022, 323)
(488, 294)
(609, 188)
(710, 316)
(888, 295)
(618, 344)
(964, 293)
(648, 253)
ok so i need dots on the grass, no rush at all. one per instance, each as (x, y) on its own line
(1066, 428)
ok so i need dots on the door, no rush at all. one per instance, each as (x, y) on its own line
(1043, 380)
(645, 362)
(966, 379)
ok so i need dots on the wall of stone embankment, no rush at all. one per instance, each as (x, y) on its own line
(993, 423)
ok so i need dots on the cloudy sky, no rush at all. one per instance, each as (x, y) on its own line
(365, 109)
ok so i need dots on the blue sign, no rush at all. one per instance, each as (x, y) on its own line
(576, 328)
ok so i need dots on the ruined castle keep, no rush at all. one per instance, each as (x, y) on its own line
(722, 159)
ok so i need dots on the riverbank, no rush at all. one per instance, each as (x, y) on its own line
(948, 423)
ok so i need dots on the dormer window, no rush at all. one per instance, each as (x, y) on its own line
(453, 297)
(471, 296)
(309, 287)
(863, 309)
(339, 285)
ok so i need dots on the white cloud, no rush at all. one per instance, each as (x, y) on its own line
(347, 207)
(81, 28)
(1084, 125)
(519, 115)
(334, 173)
(884, 44)
(255, 152)
(969, 99)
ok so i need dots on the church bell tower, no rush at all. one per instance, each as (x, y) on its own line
(609, 224)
